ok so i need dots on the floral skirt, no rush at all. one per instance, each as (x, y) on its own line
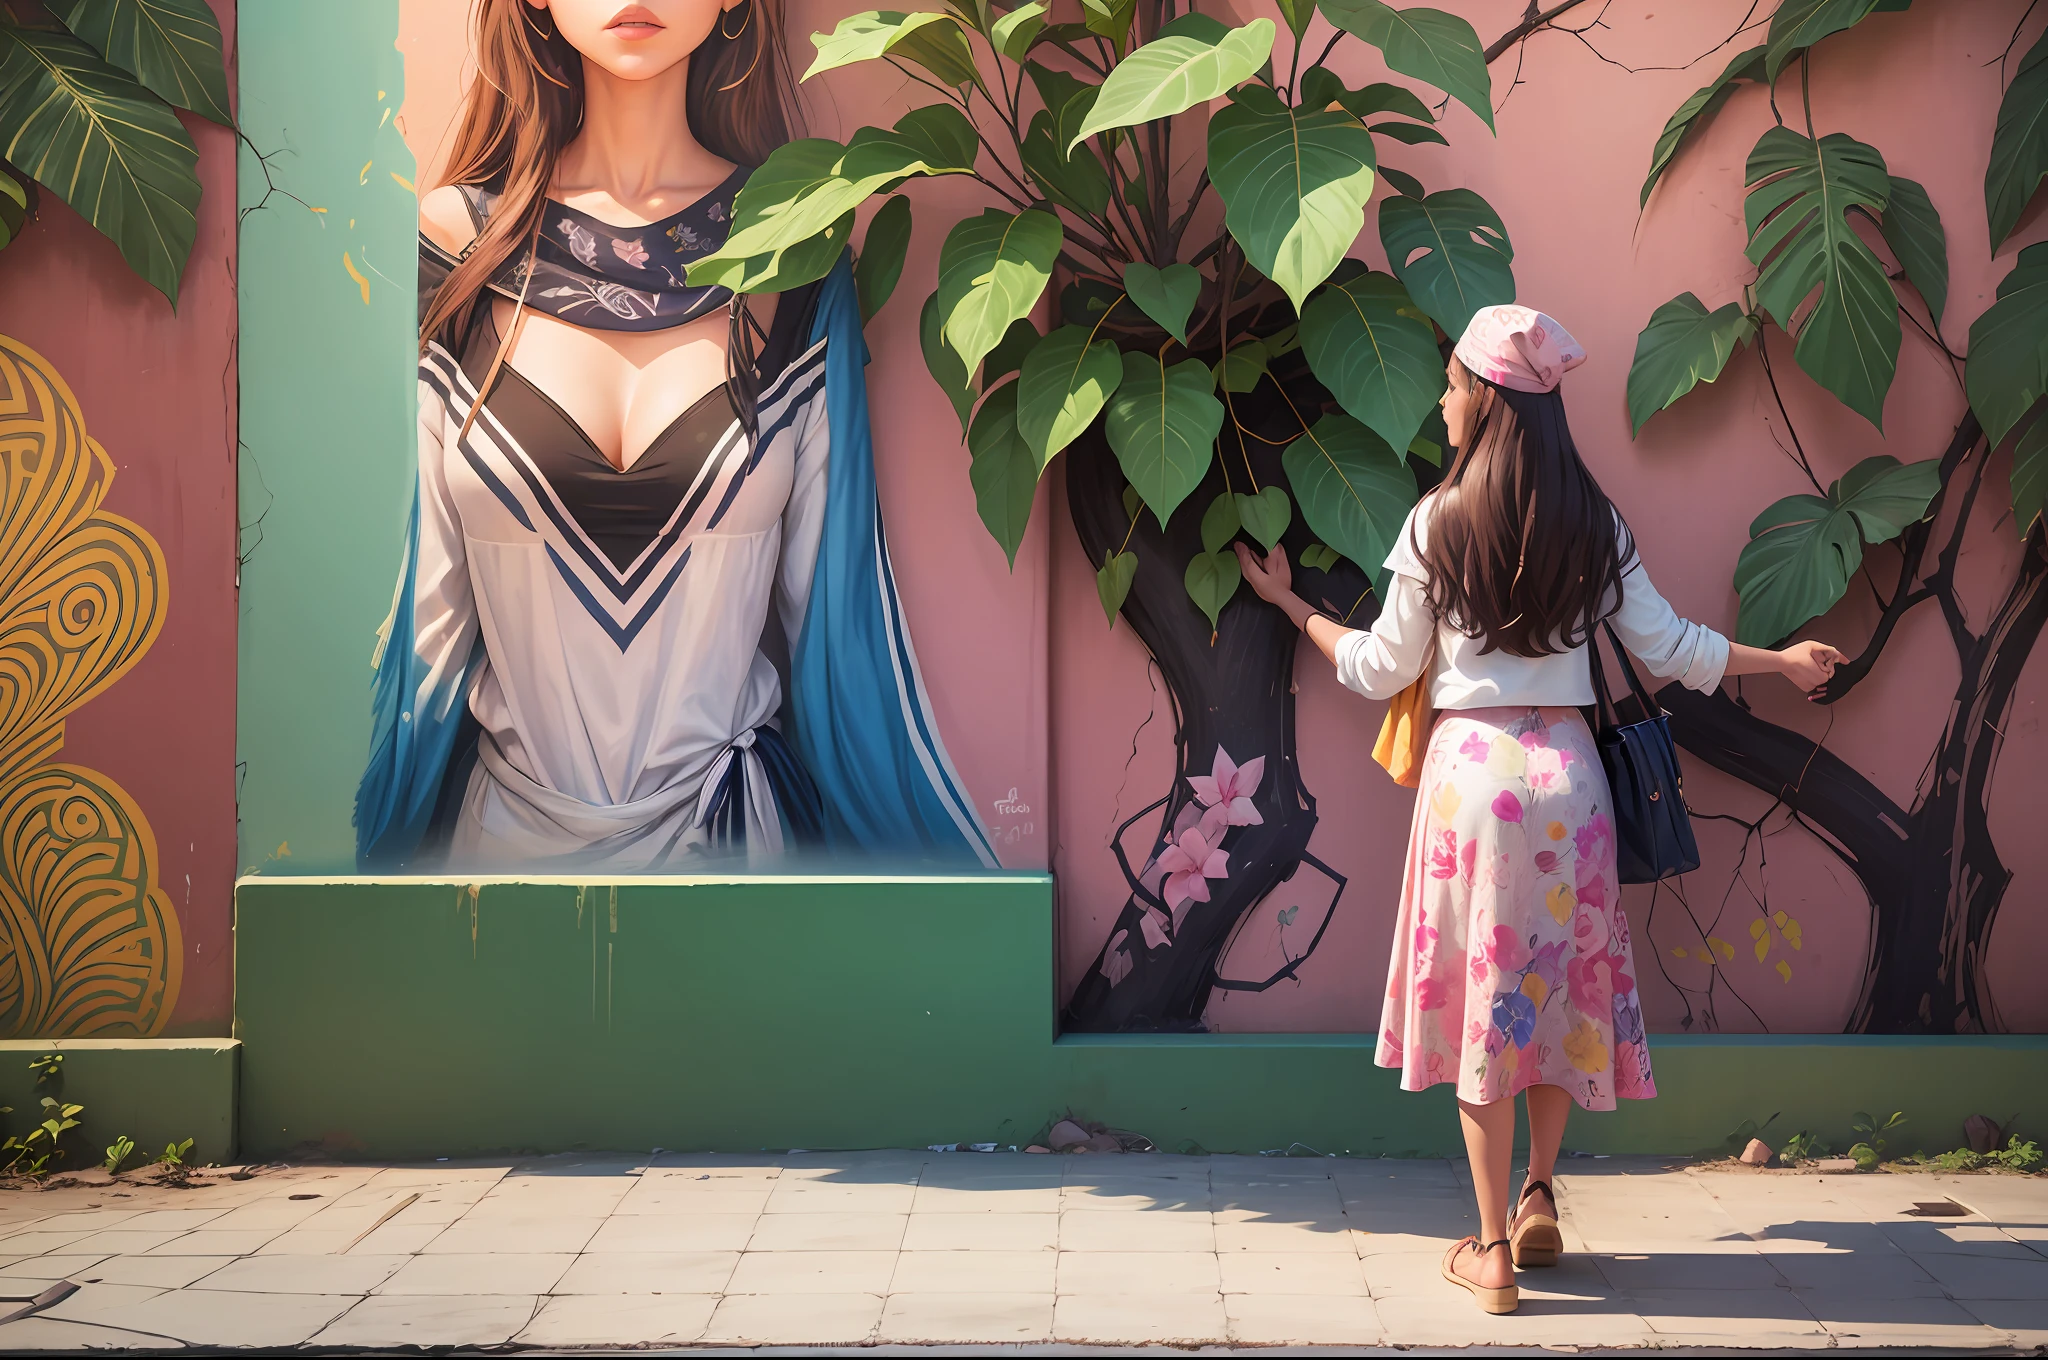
(1511, 962)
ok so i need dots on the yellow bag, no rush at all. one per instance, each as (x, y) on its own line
(1404, 736)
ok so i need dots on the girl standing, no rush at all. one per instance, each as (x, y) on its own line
(1512, 969)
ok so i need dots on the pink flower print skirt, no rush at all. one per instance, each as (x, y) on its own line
(1511, 962)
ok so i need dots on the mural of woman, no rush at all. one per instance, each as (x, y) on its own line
(646, 619)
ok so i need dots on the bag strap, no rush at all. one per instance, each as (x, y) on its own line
(1609, 715)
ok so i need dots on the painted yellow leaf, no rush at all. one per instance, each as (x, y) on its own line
(1757, 929)
(1784, 970)
(1445, 802)
(1703, 956)
(1779, 917)
(1677, 953)
(1535, 988)
(1507, 759)
(1763, 947)
(1721, 946)
(1561, 900)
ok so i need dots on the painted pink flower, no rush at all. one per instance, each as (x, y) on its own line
(1546, 861)
(1506, 951)
(1590, 979)
(1435, 1069)
(1116, 964)
(1546, 767)
(1468, 861)
(632, 252)
(1191, 861)
(1153, 923)
(1595, 841)
(1477, 964)
(1230, 786)
(1589, 930)
(1507, 807)
(1390, 1048)
(1590, 881)
(1623, 983)
(1475, 1033)
(1548, 963)
(1443, 855)
(1475, 747)
(1430, 994)
(1425, 940)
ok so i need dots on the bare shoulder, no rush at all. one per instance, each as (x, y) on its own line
(444, 219)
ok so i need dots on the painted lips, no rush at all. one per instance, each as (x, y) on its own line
(634, 21)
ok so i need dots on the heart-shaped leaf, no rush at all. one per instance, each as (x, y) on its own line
(1321, 87)
(2007, 370)
(1163, 424)
(1109, 19)
(1242, 365)
(1912, 228)
(1113, 581)
(1798, 24)
(2019, 148)
(1451, 252)
(1265, 516)
(1166, 295)
(172, 46)
(1066, 381)
(1004, 471)
(946, 369)
(942, 138)
(992, 270)
(1694, 112)
(1683, 346)
(880, 265)
(1410, 134)
(1015, 32)
(1425, 43)
(1294, 185)
(1365, 342)
(1211, 579)
(1354, 491)
(1195, 59)
(1010, 352)
(1800, 240)
(1077, 182)
(933, 41)
(1067, 100)
(110, 149)
(1220, 522)
(1885, 495)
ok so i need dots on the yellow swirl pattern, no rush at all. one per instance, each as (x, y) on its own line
(89, 944)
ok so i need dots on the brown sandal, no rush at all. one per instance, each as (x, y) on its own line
(1536, 1240)
(1492, 1300)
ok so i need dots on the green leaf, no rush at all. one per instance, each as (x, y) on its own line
(1211, 579)
(1694, 112)
(1354, 491)
(1294, 186)
(172, 46)
(942, 138)
(1065, 383)
(1242, 365)
(1297, 13)
(1109, 19)
(1004, 471)
(1016, 31)
(881, 255)
(1166, 295)
(13, 206)
(1451, 252)
(1402, 182)
(992, 270)
(1803, 549)
(1410, 134)
(104, 145)
(1799, 24)
(946, 369)
(1163, 424)
(1220, 522)
(1077, 182)
(1683, 346)
(2007, 370)
(1010, 352)
(1265, 516)
(2030, 477)
(1113, 581)
(1086, 301)
(1319, 557)
(1912, 228)
(933, 41)
(1367, 343)
(1321, 87)
(2019, 148)
(1425, 43)
(1800, 239)
(1194, 60)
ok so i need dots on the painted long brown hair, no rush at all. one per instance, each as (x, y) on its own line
(526, 105)
(1524, 551)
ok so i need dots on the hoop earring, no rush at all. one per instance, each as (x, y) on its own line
(735, 84)
(527, 11)
(745, 19)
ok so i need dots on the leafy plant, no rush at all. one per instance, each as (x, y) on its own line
(1873, 1132)
(1739, 1138)
(86, 100)
(122, 1147)
(173, 1156)
(1802, 1146)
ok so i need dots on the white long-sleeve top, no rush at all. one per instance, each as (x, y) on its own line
(1381, 661)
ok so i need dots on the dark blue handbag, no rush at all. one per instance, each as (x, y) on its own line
(1652, 830)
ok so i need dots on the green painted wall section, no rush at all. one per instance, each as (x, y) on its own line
(328, 410)
(156, 1091)
(408, 1018)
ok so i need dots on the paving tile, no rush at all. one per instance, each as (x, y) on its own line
(1301, 1320)
(544, 1235)
(1288, 1273)
(967, 1319)
(216, 1242)
(123, 1241)
(197, 1317)
(2025, 1320)
(1689, 1270)
(75, 1221)
(42, 1334)
(1856, 1273)
(304, 1274)
(1135, 1272)
(311, 1242)
(427, 1320)
(826, 1197)
(175, 1220)
(1451, 1317)
(649, 1272)
(1126, 1319)
(1300, 1201)
(813, 1272)
(1015, 1174)
(982, 1232)
(92, 1302)
(514, 1272)
(1043, 1198)
(674, 1232)
(40, 1243)
(46, 1268)
(664, 1197)
(629, 1320)
(279, 1215)
(165, 1272)
(395, 1239)
(821, 1319)
(1873, 1320)
(1105, 1230)
(1256, 1233)
(1150, 1194)
(828, 1232)
(1732, 1313)
(1960, 1239)
(974, 1272)
(1988, 1277)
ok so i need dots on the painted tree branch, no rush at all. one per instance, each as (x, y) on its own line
(1533, 20)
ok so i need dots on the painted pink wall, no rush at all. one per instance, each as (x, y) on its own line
(158, 389)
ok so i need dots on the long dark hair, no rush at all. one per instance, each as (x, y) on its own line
(526, 105)
(1524, 551)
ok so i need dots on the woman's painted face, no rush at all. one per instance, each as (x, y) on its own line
(1460, 402)
(632, 41)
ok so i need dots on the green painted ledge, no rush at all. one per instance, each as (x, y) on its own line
(157, 1091)
(425, 1017)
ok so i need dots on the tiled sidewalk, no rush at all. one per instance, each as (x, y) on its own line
(896, 1247)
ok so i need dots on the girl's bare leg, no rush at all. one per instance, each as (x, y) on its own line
(1549, 1108)
(1489, 1143)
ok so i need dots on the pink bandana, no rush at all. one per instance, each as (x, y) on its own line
(1519, 348)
